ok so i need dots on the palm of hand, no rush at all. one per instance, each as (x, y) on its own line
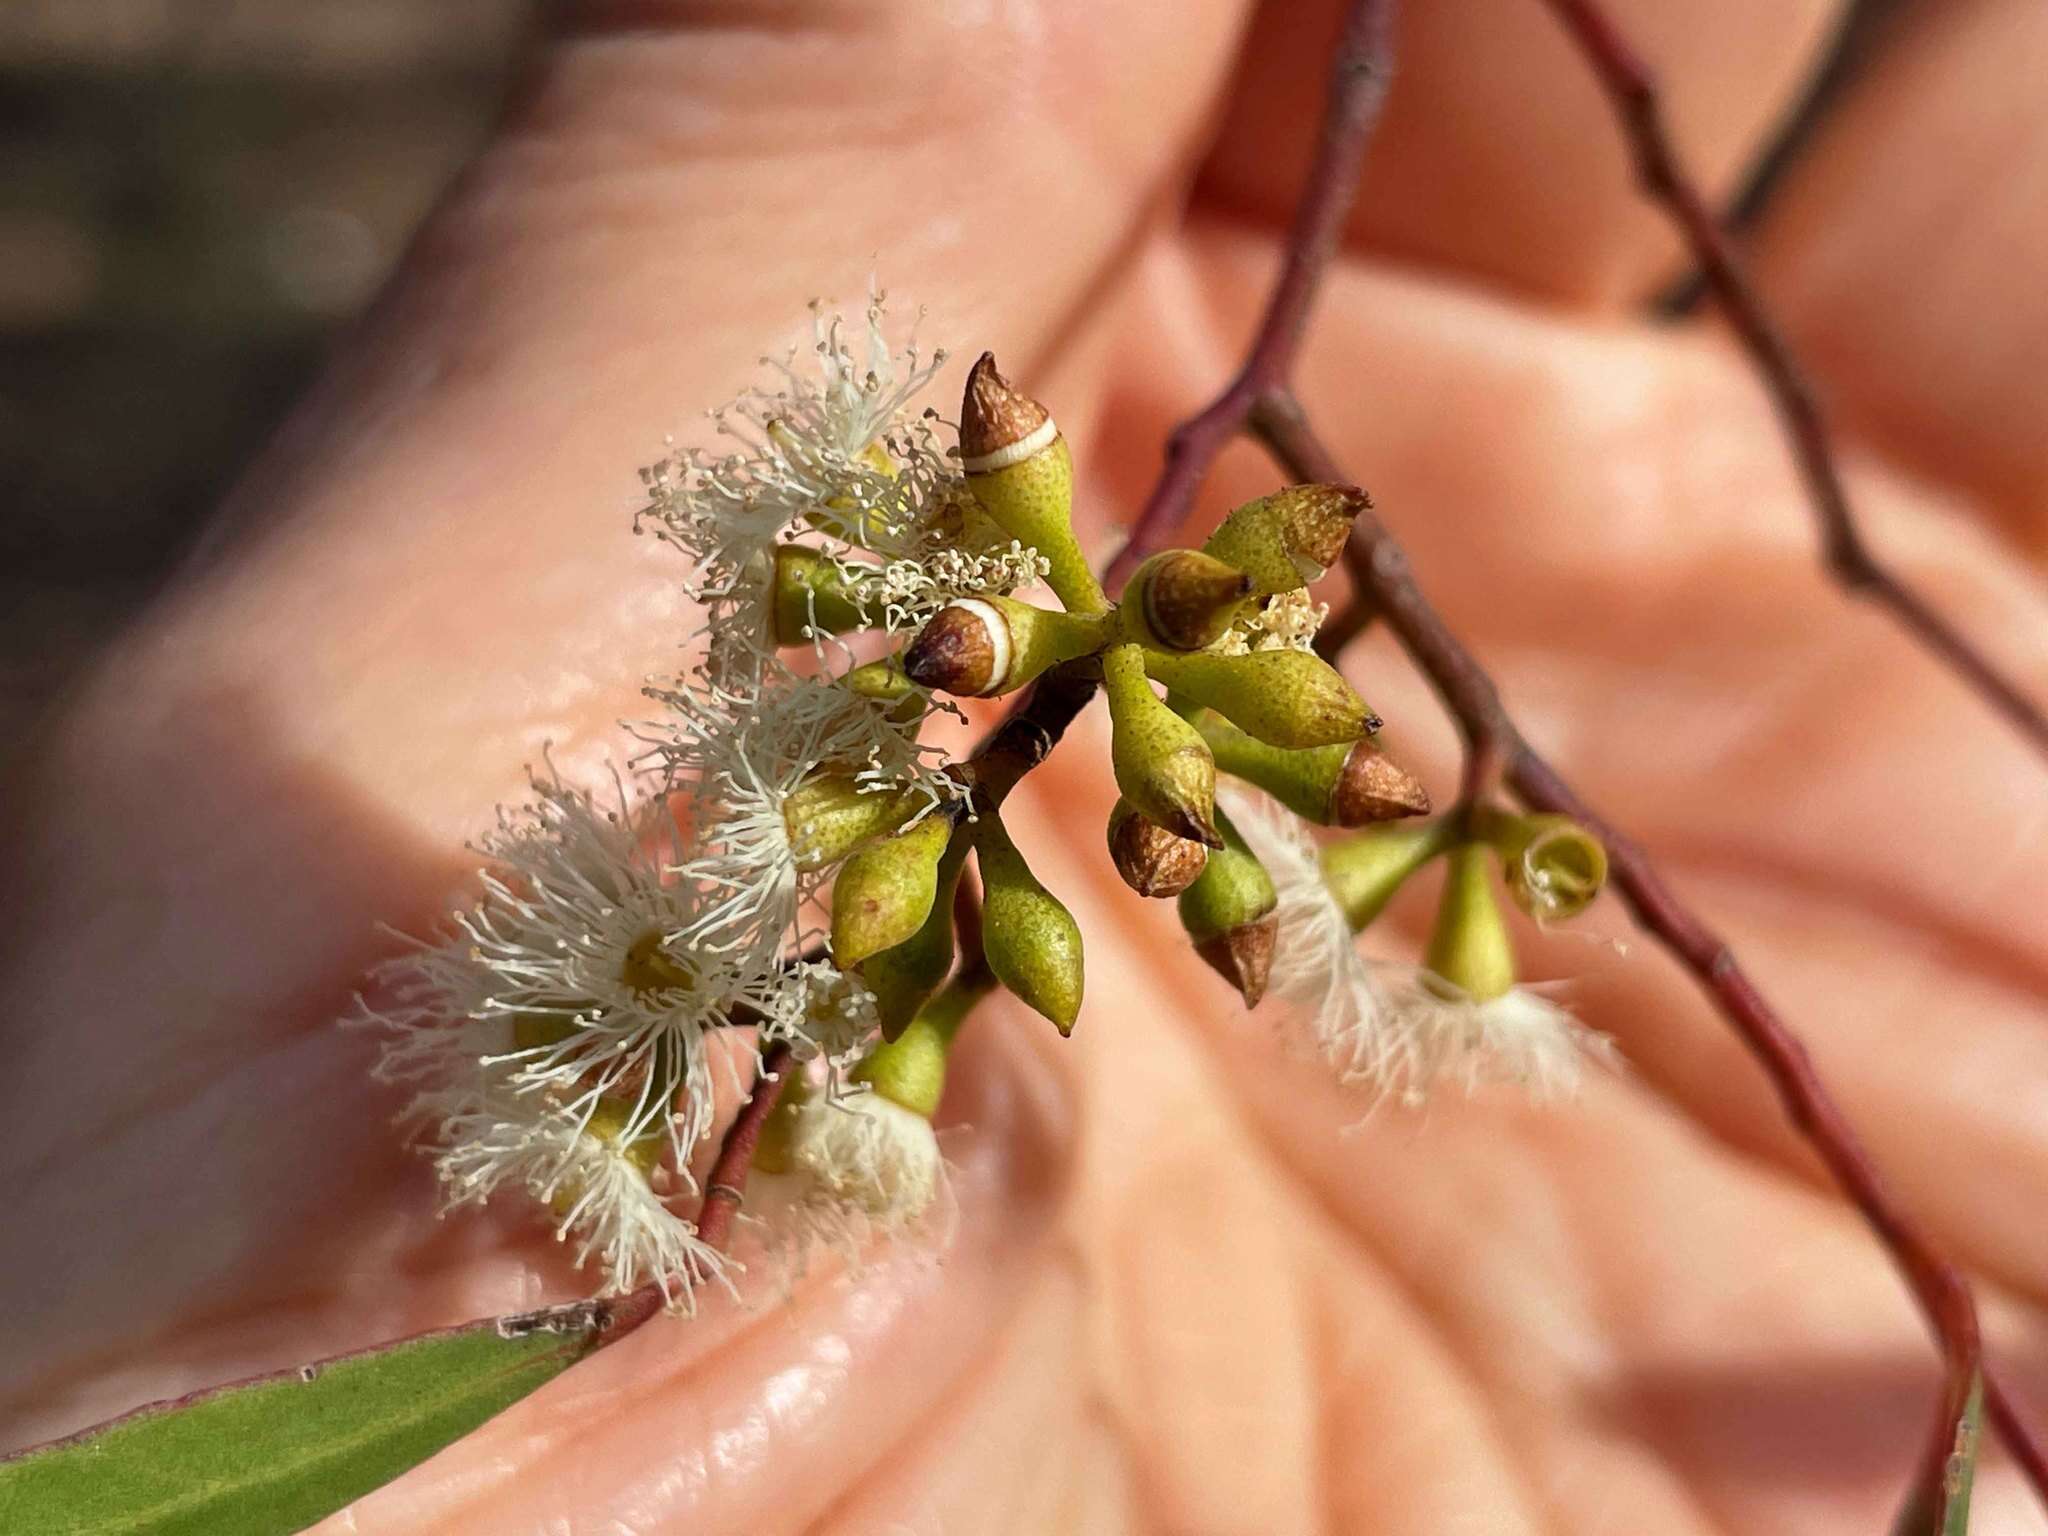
(1182, 1295)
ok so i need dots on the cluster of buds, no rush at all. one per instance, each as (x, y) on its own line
(560, 1035)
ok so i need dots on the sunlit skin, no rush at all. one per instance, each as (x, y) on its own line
(1188, 1291)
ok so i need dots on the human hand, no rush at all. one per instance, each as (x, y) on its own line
(1178, 1282)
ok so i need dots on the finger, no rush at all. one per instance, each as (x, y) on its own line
(1498, 158)
(1905, 248)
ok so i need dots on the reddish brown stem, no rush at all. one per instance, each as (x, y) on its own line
(1633, 90)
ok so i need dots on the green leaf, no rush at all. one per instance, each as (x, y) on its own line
(279, 1452)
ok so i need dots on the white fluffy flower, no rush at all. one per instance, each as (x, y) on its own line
(595, 965)
(869, 1154)
(1318, 970)
(743, 755)
(595, 1179)
(1518, 1037)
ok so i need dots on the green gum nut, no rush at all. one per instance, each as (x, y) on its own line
(911, 1069)
(885, 892)
(1554, 866)
(1162, 765)
(1032, 942)
(1363, 872)
(1020, 470)
(811, 596)
(1470, 947)
(1288, 539)
(828, 817)
(1228, 915)
(1334, 786)
(1287, 698)
(904, 977)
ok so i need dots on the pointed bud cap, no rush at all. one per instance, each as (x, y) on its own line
(1186, 600)
(1151, 860)
(1224, 911)
(1000, 425)
(963, 649)
(1244, 957)
(1290, 538)
(1373, 787)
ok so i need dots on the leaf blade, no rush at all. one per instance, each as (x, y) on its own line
(277, 1453)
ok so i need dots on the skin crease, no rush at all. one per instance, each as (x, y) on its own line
(1193, 1284)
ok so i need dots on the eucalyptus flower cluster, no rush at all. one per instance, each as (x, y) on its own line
(787, 867)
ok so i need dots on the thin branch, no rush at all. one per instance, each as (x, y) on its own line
(1259, 397)
(1848, 555)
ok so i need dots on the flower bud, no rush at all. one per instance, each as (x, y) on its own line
(884, 682)
(1554, 866)
(904, 977)
(1152, 860)
(886, 891)
(1290, 538)
(1020, 471)
(1032, 941)
(1339, 786)
(1162, 765)
(1363, 872)
(1183, 600)
(829, 815)
(1469, 947)
(811, 596)
(1288, 698)
(1228, 913)
(980, 646)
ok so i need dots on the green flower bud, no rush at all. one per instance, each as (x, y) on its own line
(1151, 860)
(885, 682)
(1554, 866)
(981, 646)
(904, 977)
(885, 892)
(1290, 538)
(1469, 947)
(1032, 941)
(1363, 872)
(828, 816)
(1182, 600)
(1339, 786)
(1288, 698)
(911, 1069)
(1228, 913)
(811, 596)
(1162, 765)
(1020, 471)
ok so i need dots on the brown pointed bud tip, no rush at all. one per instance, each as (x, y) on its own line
(1152, 860)
(963, 649)
(1000, 425)
(1190, 598)
(1320, 520)
(1373, 787)
(1192, 826)
(1243, 956)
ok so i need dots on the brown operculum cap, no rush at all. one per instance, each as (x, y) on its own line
(1152, 860)
(954, 653)
(1191, 598)
(1373, 787)
(1320, 519)
(1243, 956)
(994, 414)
